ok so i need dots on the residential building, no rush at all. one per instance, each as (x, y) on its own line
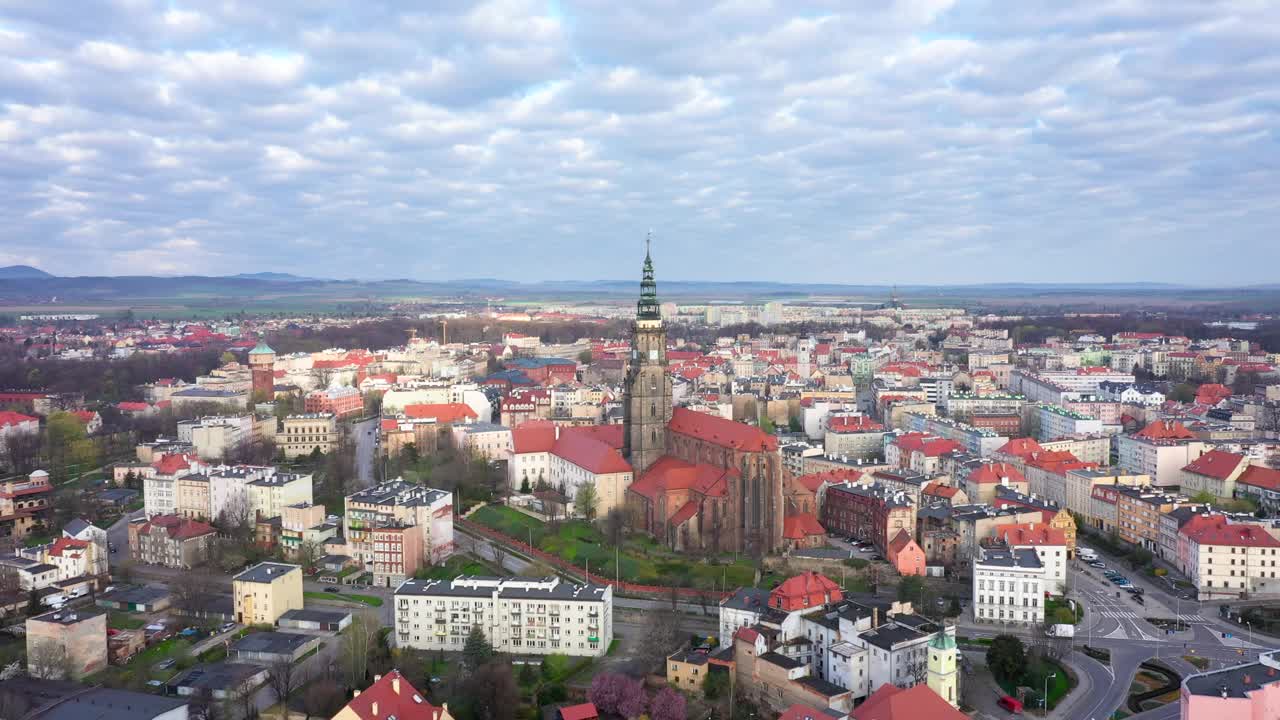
(60, 700)
(1160, 450)
(304, 522)
(67, 644)
(1056, 421)
(24, 504)
(341, 402)
(216, 437)
(744, 608)
(1225, 559)
(397, 553)
(397, 503)
(872, 513)
(905, 555)
(1262, 484)
(170, 540)
(1138, 513)
(80, 529)
(14, 428)
(268, 496)
(192, 492)
(391, 696)
(1049, 544)
(1250, 690)
(1008, 587)
(1214, 472)
(486, 440)
(856, 436)
(1080, 484)
(981, 483)
(533, 616)
(687, 670)
(266, 591)
(304, 434)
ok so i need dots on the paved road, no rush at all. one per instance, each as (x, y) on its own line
(118, 535)
(365, 433)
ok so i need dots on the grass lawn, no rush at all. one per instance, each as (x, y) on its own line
(1053, 605)
(371, 600)
(453, 567)
(639, 560)
(1199, 662)
(124, 621)
(1033, 677)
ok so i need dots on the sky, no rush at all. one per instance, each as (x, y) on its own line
(876, 141)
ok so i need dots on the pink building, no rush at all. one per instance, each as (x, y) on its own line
(1243, 692)
(905, 555)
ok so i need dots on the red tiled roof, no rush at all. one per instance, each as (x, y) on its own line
(1019, 534)
(395, 697)
(722, 432)
(63, 544)
(171, 464)
(1212, 393)
(533, 436)
(178, 527)
(803, 712)
(937, 489)
(1020, 447)
(8, 417)
(853, 424)
(1215, 530)
(681, 516)
(899, 541)
(802, 525)
(442, 412)
(126, 406)
(610, 434)
(1218, 464)
(671, 473)
(1260, 477)
(891, 702)
(813, 481)
(806, 590)
(584, 711)
(747, 634)
(585, 451)
(1165, 430)
(996, 474)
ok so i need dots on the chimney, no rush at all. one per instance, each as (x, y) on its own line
(355, 695)
(375, 708)
(395, 684)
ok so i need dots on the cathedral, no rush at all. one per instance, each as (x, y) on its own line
(700, 482)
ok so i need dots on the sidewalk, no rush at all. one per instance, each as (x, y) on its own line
(984, 693)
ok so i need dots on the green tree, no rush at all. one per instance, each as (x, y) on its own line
(478, 650)
(524, 487)
(1006, 657)
(767, 425)
(911, 588)
(794, 425)
(715, 684)
(227, 357)
(584, 357)
(585, 501)
(1204, 497)
(1183, 392)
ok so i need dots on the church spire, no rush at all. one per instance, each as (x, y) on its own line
(647, 307)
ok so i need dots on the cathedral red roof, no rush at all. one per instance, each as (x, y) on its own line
(722, 432)
(589, 453)
(533, 436)
(802, 525)
(671, 473)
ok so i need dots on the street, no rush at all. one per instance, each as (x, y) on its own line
(366, 435)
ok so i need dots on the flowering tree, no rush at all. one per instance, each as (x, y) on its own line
(606, 689)
(632, 701)
(667, 705)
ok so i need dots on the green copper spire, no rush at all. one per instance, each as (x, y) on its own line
(647, 308)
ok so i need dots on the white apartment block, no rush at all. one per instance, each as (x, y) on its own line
(1163, 460)
(399, 503)
(159, 495)
(1057, 421)
(1008, 587)
(522, 616)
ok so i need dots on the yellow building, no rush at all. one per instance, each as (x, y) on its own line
(943, 676)
(192, 497)
(1067, 524)
(302, 434)
(266, 591)
(687, 670)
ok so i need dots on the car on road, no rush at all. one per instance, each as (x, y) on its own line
(1137, 597)
(1010, 704)
(877, 558)
(227, 626)
(1099, 565)
(166, 664)
(865, 548)
(332, 590)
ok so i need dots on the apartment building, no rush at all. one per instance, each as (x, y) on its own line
(873, 513)
(1250, 690)
(1056, 421)
(304, 522)
(1080, 484)
(964, 406)
(341, 402)
(856, 436)
(214, 437)
(1160, 450)
(67, 644)
(521, 616)
(266, 591)
(169, 540)
(1138, 513)
(397, 553)
(1048, 543)
(306, 433)
(486, 440)
(397, 503)
(1225, 559)
(24, 504)
(269, 496)
(1008, 587)
(981, 482)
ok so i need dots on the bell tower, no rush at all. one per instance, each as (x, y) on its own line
(943, 678)
(647, 406)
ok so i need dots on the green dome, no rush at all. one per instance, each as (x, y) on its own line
(943, 641)
(262, 349)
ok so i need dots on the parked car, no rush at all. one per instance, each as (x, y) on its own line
(1099, 565)
(1137, 597)
(227, 626)
(1010, 704)
(166, 664)
(332, 590)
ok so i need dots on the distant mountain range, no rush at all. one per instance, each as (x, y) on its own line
(22, 272)
(274, 277)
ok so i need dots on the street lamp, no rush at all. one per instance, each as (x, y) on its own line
(1047, 678)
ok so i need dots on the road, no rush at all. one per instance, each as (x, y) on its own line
(365, 433)
(118, 535)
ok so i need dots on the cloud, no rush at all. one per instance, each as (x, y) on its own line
(902, 141)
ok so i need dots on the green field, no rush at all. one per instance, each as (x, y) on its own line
(124, 621)
(641, 559)
(455, 566)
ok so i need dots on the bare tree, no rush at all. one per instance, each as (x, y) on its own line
(308, 552)
(48, 660)
(323, 698)
(357, 644)
(661, 637)
(285, 677)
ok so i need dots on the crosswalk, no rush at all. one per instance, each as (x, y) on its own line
(1130, 615)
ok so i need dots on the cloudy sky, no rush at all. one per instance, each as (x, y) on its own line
(868, 141)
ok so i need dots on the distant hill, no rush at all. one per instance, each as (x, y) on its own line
(273, 277)
(25, 272)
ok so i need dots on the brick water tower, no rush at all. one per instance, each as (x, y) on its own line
(262, 363)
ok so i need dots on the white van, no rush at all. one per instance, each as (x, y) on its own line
(1086, 554)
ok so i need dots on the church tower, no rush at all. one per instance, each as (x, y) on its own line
(943, 678)
(647, 405)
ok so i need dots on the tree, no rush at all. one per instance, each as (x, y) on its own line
(667, 704)
(614, 523)
(585, 357)
(357, 643)
(617, 694)
(633, 700)
(662, 636)
(478, 650)
(48, 660)
(309, 551)
(285, 677)
(1183, 392)
(491, 692)
(324, 698)
(715, 685)
(911, 588)
(1006, 657)
(227, 357)
(524, 487)
(585, 501)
